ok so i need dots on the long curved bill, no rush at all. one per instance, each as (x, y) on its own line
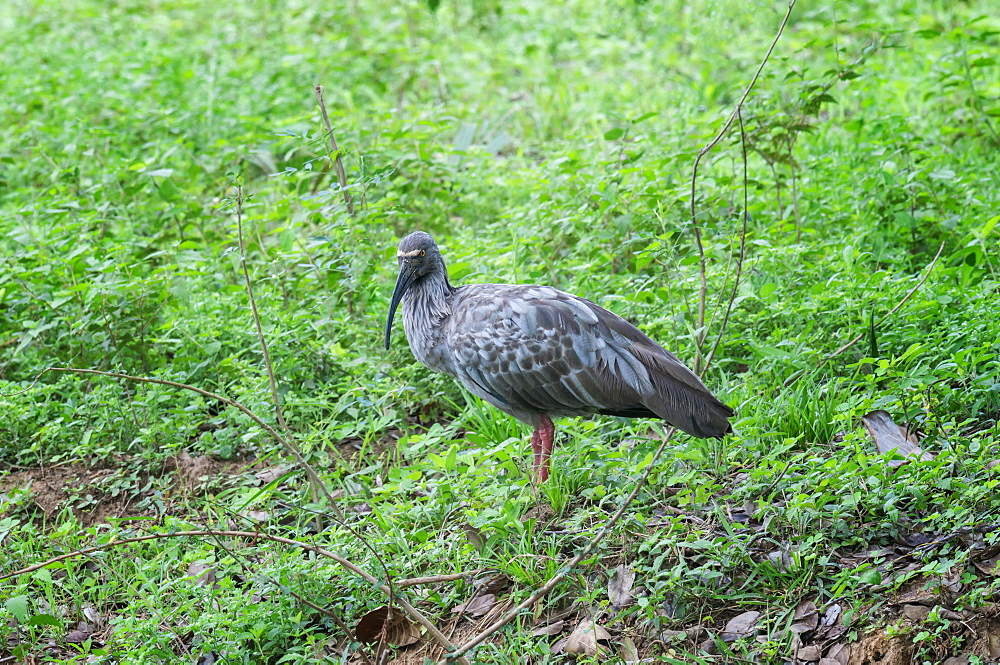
(403, 282)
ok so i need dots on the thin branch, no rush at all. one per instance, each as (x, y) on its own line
(703, 292)
(434, 579)
(247, 572)
(256, 320)
(892, 311)
(568, 568)
(743, 247)
(268, 365)
(290, 446)
(254, 535)
(338, 163)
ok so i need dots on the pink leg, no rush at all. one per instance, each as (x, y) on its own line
(536, 449)
(546, 432)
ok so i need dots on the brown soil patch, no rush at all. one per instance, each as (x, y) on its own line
(96, 494)
(880, 649)
(56, 488)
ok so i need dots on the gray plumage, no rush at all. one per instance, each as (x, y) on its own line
(536, 352)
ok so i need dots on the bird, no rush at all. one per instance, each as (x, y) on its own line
(538, 353)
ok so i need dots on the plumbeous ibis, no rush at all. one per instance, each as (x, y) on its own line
(538, 353)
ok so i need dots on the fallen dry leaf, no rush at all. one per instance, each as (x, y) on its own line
(620, 586)
(477, 606)
(474, 536)
(741, 625)
(268, 476)
(831, 615)
(82, 632)
(957, 660)
(887, 437)
(585, 639)
(397, 629)
(951, 615)
(919, 596)
(203, 573)
(781, 558)
(693, 633)
(805, 619)
(551, 629)
(915, 613)
(993, 640)
(494, 584)
(811, 652)
(839, 654)
(628, 650)
(988, 566)
(952, 583)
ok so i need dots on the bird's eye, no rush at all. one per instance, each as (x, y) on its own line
(422, 252)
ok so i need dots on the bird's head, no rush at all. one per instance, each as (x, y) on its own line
(418, 257)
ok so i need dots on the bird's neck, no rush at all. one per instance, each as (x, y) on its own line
(426, 305)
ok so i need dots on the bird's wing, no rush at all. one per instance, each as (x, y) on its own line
(515, 344)
(531, 349)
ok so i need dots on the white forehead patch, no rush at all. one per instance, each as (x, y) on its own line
(414, 252)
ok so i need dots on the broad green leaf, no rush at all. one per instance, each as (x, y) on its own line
(44, 620)
(18, 606)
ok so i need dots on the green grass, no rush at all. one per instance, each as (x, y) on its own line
(541, 143)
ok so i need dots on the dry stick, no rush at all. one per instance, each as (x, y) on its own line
(703, 293)
(892, 311)
(256, 320)
(302, 599)
(545, 589)
(568, 568)
(743, 246)
(338, 163)
(409, 609)
(433, 579)
(269, 368)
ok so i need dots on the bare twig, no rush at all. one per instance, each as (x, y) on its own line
(434, 579)
(568, 568)
(287, 442)
(703, 293)
(254, 535)
(743, 247)
(316, 488)
(248, 573)
(256, 320)
(338, 163)
(892, 311)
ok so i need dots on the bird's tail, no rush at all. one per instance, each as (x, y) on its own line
(681, 398)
